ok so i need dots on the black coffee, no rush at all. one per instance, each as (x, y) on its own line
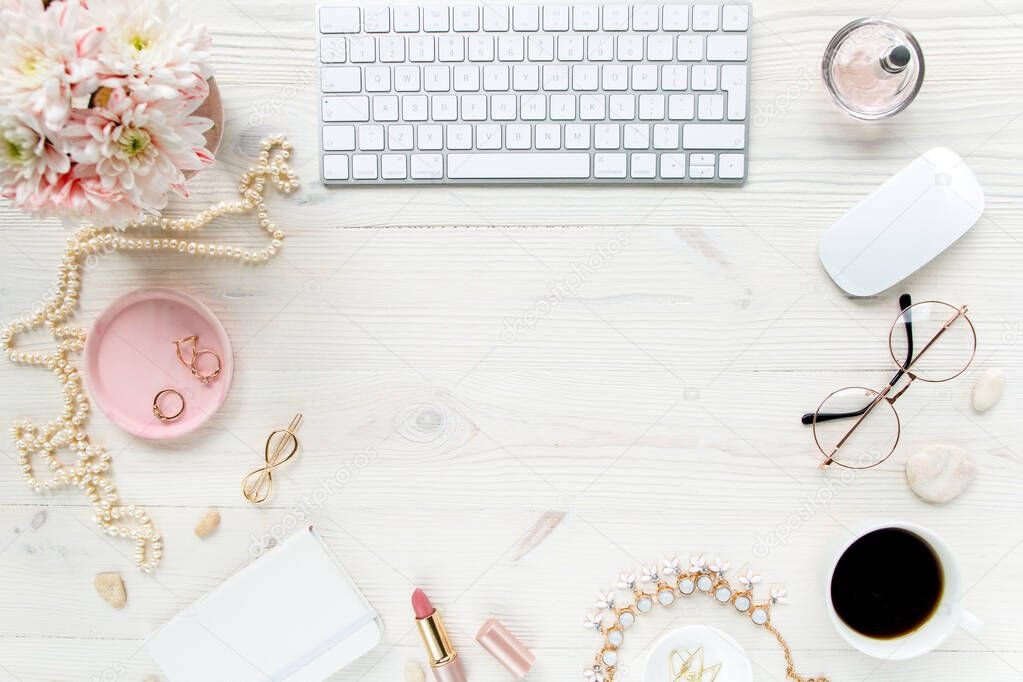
(887, 584)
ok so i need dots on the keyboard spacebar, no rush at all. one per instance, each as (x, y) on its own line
(512, 166)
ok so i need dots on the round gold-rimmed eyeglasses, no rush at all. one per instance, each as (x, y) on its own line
(858, 427)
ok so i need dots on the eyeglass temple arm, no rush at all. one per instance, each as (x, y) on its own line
(904, 302)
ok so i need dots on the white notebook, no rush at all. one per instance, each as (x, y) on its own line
(292, 615)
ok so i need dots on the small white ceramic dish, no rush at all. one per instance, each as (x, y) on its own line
(718, 649)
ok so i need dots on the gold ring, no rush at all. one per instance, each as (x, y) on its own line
(205, 378)
(157, 412)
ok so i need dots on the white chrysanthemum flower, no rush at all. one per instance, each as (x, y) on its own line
(30, 164)
(606, 601)
(779, 595)
(719, 566)
(46, 58)
(749, 578)
(672, 567)
(651, 574)
(594, 621)
(153, 54)
(138, 150)
(627, 581)
(697, 564)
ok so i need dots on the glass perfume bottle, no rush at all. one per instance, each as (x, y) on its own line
(873, 68)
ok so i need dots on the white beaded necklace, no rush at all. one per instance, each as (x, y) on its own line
(90, 471)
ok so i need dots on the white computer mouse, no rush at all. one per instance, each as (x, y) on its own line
(914, 216)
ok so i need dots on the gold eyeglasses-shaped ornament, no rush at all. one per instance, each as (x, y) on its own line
(280, 447)
(858, 427)
(689, 667)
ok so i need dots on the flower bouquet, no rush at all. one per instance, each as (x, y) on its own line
(98, 102)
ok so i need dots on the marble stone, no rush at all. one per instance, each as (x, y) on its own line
(940, 472)
(988, 389)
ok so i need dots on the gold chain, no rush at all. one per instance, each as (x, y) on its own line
(89, 471)
(790, 665)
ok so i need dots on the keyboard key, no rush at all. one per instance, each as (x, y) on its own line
(600, 48)
(371, 138)
(385, 108)
(645, 17)
(644, 77)
(577, 136)
(415, 108)
(399, 138)
(526, 77)
(630, 48)
(622, 107)
(643, 166)
(711, 107)
(733, 81)
(727, 48)
(333, 49)
(341, 79)
(520, 165)
(533, 107)
(420, 49)
(704, 77)
(548, 136)
(466, 18)
(445, 108)
(607, 136)
(436, 78)
(666, 136)
(481, 48)
(637, 136)
(451, 48)
(503, 107)
(526, 18)
(660, 48)
(562, 107)
(591, 107)
(674, 77)
(474, 108)
(377, 19)
(459, 136)
(488, 136)
(378, 79)
(571, 48)
(467, 78)
(585, 17)
(713, 136)
(340, 20)
(362, 49)
(364, 166)
(511, 48)
(427, 166)
(609, 165)
(495, 77)
(735, 18)
(430, 138)
(615, 77)
(339, 138)
(585, 77)
(673, 166)
(701, 166)
(436, 19)
(675, 18)
(681, 107)
(335, 167)
(540, 48)
(392, 49)
(705, 17)
(345, 109)
(393, 167)
(616, 17)
(519, 136)
(555, 17)
(690, 48)
(495, 17)
(406, 18)
(407, 78)
(731, 166)
(651, 107)
(555, 77)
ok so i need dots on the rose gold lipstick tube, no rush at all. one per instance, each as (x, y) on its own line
(442, 656)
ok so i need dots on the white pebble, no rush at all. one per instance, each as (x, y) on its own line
(988, 389)
(940, 473)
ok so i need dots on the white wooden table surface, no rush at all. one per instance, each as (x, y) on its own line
(652, 408)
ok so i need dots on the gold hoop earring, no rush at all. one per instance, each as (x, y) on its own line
(194, 340)
(158, 411)
(209, 376)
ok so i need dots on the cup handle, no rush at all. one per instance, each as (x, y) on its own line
(969, 622)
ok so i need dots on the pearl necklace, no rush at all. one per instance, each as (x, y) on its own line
(89, 471)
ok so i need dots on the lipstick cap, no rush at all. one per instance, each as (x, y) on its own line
(506, 648)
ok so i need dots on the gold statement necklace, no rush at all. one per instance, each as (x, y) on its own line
(90, 471)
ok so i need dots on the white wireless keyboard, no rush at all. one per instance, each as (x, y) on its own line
(525, 93)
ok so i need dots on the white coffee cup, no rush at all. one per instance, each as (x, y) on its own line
(948, 614)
